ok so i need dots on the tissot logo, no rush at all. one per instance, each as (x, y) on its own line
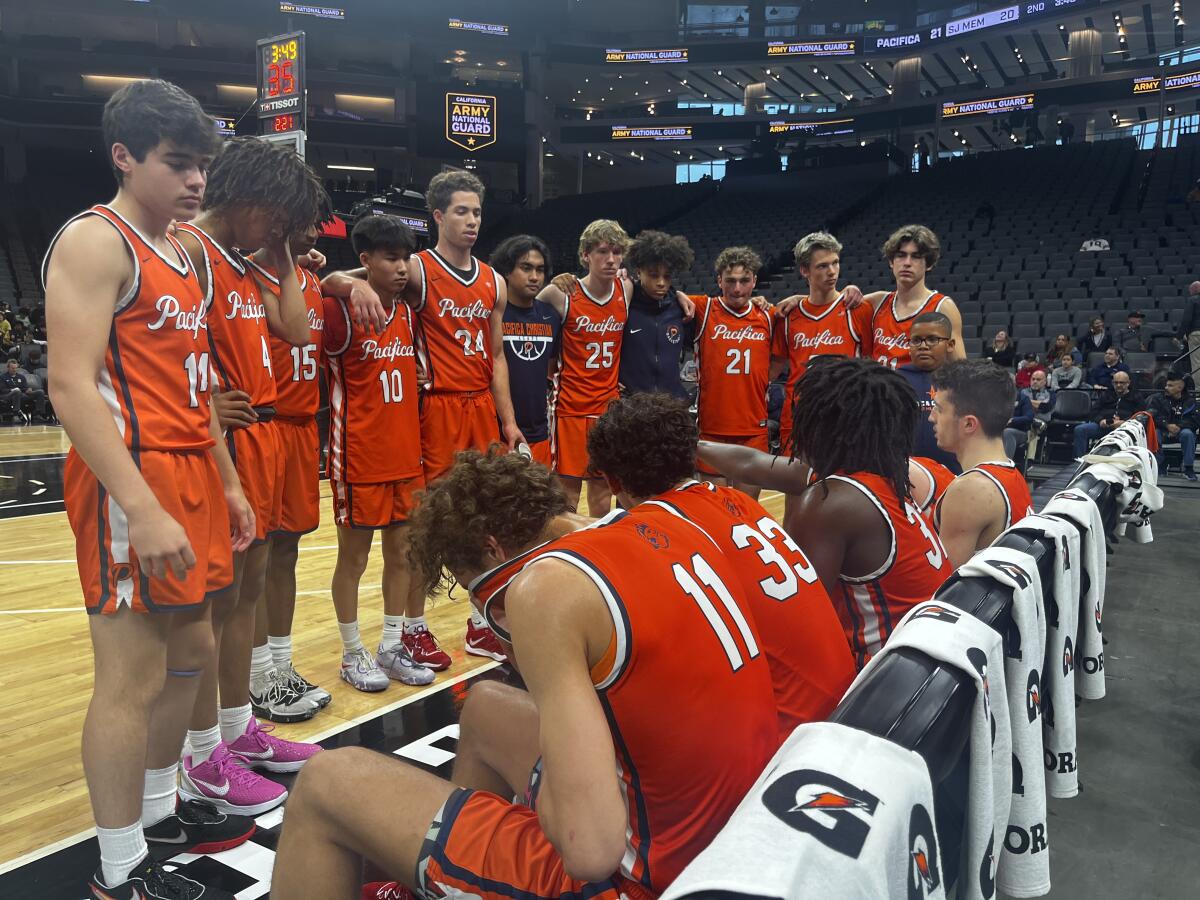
(833, 811)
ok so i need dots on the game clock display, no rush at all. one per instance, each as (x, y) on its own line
(281, 105)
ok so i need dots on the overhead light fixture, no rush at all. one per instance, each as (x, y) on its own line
(349, 168)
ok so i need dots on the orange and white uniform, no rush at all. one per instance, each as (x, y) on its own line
(808, 331)
(298, 396)
(241, 357)
(733, 355)
(154, 381)
(915, 567)
(1013, 488)
(684, 662)
(586, 380)
(454, 324)
(811, 665)
(374, 422)
(889, 335)
(939, 477)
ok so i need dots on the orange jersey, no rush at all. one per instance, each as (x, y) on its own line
(811, 665)
(890, 332)
(832, 330)
(684, 685)
(297, 388)
(1014, 490)
(590, 352)
(733, 351)
(156, 368)
(939, 479)
(374, 411)
(237, 323)
(454, 315)
(915, 567)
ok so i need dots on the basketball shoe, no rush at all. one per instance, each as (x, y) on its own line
(304, 687)
(227, 786)
(361, 671)
(152, 880)
(258, 749)
(424, 649)
(398, 664)
(197, 826)
(274, 697)
(482, 641)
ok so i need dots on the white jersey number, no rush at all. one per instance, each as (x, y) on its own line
(703, 574)
(766, 536)
(465, 336)
(196, 366)
(935, 554)
(304, 363)
(739, 362)
(393, 386)
(600, 355)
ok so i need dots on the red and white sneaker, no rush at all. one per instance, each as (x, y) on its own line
(482, 641)
(386, 890)
(256, 749)
(423, 647)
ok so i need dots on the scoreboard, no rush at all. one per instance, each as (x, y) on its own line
(282, 109)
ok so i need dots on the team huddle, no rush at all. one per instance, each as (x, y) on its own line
(469, 404)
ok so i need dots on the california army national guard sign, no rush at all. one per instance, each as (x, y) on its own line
(471, 121)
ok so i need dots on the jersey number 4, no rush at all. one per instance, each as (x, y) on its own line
(702, 584)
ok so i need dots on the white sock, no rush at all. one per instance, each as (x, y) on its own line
(158, 795)
(351, 639)
(120, 850)
(415, 623)
(203, 743)
(261, 661)
(281, 650)
(393, 630)
(477, 619)
(233, 722)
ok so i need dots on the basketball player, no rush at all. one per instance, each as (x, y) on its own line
(819, 323)
(283, 694)
(733, 352)
(593, 317)
(150, 489)
(911, 251)
(618, 814)
(858, 524)
(459, 302)
(531, 330)
(973, 401)
(375, 454)
(930, 485)
(258, 194)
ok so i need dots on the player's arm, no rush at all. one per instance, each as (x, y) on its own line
(823, 522)
(553, 295)
(287, 313)
(969, 506)
(779, 346)
(366, 309)
(241, 516)
(785, 306)
(500, 388)
(949, 309)
(195, 250)
(685, 302)
(559, 628)
(778, 364)
(745, 464)
(89, 270)
(854, 297)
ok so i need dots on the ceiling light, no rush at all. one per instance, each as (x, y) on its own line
(349, 168)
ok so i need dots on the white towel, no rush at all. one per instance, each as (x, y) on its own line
(961, 641)
(838, 814)
(1061, 603)
(1024, 869)
(1135, 471)
(1089, 645)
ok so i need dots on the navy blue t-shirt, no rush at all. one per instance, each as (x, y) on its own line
(653, 344)
(924, 442)
(531, 347)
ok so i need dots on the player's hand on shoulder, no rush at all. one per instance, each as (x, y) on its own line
(761, 302)
(852, 296)
(785, 306)
(565, 282)
(314, 260)
(366, 309)
(241, 518)
(161, 544)
(233, 409)
(687, 305)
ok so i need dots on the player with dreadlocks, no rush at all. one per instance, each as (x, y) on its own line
(259, 194)
(853, 424)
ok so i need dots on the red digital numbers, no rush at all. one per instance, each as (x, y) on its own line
(284, 123)
(281, 79)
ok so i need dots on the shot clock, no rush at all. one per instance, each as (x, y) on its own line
(281, 104)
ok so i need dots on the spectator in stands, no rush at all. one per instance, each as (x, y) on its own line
(1096, 339)
(1001, 352)
(1101, 375)
(1017, 431)
(1041, 401)
(1189, 328)
(1131, 338)
(1062, 344)
(1026, 369)
(37, 366)
(15, 391)
(1176, 421)
(1066, 374)
(930, 343)
(9, 349)
(1118, 403)
(6, 323)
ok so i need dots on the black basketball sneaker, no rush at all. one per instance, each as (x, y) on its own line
(197, 826)
(151, 880)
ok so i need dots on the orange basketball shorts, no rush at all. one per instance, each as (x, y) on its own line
(374, 505)
(755, 441)
(543, 453)
(188, 486)
(454, 421)
(300, 502)
(481, 845)
(258, 458)
(570, 446)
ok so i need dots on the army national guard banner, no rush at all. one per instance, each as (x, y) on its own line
(471, 120)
